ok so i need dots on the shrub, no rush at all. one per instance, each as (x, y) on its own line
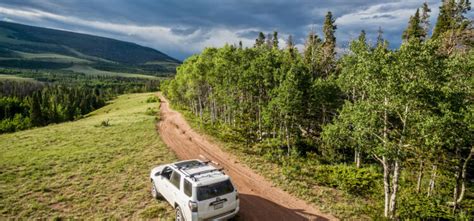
(153, 99)
(353, 180)
(105, 123)
(150, 111)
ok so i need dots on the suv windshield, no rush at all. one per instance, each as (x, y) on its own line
(214, 190)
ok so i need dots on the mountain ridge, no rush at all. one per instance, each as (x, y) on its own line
(26, 46)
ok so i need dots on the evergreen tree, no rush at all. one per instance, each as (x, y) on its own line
(36, 114)
(362, 37)
(446, 18)
(329, 45)
(275, 40)
(260, 40)
(312, 54)
(269, 41)
(414, 30)
(425, 20)
(380, 40)
(289, 42)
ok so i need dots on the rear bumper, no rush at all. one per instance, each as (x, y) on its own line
(224, 216)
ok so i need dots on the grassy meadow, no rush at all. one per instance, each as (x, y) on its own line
(96, 167)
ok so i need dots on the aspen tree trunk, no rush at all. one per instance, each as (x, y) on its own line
(463, 176)
(420, 176)
(287, 137)
(396, 168)
(357, 157)
(460, 187)
(200, 107)
(386, 165)
(432, 180)
(393, 197)
(386, 185)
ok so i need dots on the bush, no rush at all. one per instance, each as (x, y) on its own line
(151, 111)
(358, 181)
(419, 206)
(105, 123)
(153, 99)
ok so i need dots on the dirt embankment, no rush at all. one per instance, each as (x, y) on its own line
(259, 199)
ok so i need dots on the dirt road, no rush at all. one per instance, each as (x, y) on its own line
(259, 199)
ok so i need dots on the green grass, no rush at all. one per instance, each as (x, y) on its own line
(52, 57)
(84, 169)
(13, 77)
(92, 71)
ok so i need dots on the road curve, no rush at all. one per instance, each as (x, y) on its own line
(259, 199)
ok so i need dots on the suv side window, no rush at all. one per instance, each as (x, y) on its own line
(175, 179)
(187, 188)
(166, 173)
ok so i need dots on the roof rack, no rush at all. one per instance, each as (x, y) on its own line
(205, 171)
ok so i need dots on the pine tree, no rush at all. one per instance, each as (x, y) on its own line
(414, 30)
(425, 20)
(312, 54)
(260, 40)
(289, 42)
(453, 28)
(269, 41)
(362, 36)
(275, 39)
(36, 114)
(329, 30)
(329, 45)
(445, 20)
(381, 42)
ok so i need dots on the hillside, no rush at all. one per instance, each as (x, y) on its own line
(86, 168)
(23, 46)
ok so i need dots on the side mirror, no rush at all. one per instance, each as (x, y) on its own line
(158, 173)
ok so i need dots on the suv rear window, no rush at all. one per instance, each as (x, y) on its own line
(187, 188)
(214, 190)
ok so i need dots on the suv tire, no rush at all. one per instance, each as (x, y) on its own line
(154, 191)
(179, 214)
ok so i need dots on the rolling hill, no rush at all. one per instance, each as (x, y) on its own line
(28, 47)
(85, 169)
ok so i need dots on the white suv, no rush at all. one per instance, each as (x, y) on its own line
(196, 189)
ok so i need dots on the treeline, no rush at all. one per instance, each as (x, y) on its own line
(116, 84)
(409, 110)
(54, 97)
(50, 104)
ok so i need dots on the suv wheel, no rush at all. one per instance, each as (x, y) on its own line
(179, 214)
(154, 191)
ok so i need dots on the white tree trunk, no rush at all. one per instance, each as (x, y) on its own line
(357, 157)
(432, 180)
(386, 185)
(393, 197)
(420, 176)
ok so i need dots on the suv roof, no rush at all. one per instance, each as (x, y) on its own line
(200, 172)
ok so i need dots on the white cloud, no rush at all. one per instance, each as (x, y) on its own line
(156, 36)
(389, 15)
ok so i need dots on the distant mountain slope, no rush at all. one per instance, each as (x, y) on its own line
(23, 46)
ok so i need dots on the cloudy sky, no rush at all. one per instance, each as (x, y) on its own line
(184, 27)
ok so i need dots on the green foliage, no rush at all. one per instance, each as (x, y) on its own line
(153, 99)
(151, 111)
(414, 30)
(58, 96)
(358, 181)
